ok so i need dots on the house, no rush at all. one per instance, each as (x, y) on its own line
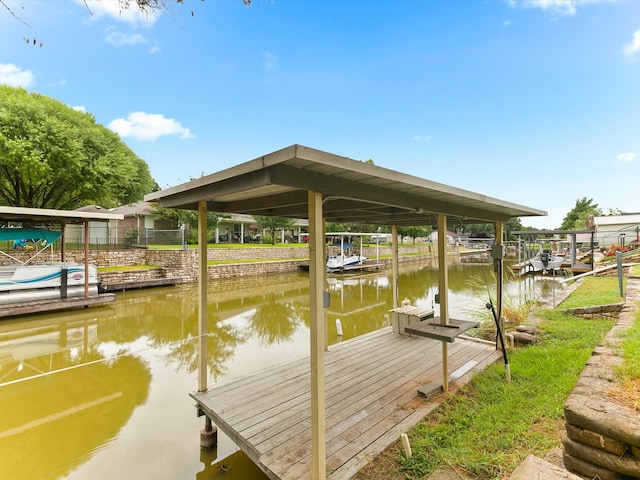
(99, 231)
(141, 225)
(237, 228)
(452, 237)
(617, 229)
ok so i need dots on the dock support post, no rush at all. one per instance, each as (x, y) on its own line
(208, 435)
(394, 264)
(317, 267)
(443, 289)
(63, 282)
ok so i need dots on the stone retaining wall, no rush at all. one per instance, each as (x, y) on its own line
(602, 437)
(599, 311)
(182, 265)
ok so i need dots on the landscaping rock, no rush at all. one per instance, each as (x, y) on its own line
(522, 338)
(534, 468)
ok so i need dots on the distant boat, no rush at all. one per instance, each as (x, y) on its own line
(345, 257)
(22, 281)
(342, 253)
(546, 261)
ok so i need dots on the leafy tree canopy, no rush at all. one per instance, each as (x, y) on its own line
(52, 156)
(273, 224)
(414, 232)
(577, 217)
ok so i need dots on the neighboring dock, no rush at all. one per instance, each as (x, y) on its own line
(371, 398)
(39, 306)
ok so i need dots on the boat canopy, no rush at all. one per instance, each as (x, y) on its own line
(30, 234)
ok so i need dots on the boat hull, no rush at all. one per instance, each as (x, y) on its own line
(26, 283)
(338, 261)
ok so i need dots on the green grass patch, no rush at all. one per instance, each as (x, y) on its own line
(594, 291)
(488, 427)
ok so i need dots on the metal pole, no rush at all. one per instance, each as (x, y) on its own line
(86, 259)
(443, 289)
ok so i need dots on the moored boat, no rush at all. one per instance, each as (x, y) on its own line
(546, 261)
(27, 281)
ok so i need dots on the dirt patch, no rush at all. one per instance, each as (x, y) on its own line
(627, 394)
(383, 467)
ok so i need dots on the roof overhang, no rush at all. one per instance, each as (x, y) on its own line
(277, 184)
(45, 215)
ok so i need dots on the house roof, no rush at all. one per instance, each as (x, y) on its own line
(137, 208)
(618, 219)
(277, 184)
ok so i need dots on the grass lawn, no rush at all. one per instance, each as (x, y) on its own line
(594, 291)
(485, 429)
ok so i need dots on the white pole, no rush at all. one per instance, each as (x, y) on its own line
(317, 333)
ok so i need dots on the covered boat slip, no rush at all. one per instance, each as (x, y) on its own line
(371, 384)
(300, 182)
(36, 283)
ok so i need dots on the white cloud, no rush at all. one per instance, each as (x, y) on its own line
(148, 126)
(562, 7)
(120, 39)
(80, 108)
(112, 9)
(633, 47)
(627, 157)
(16, 77)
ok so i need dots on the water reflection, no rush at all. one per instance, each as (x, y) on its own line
(102, 393)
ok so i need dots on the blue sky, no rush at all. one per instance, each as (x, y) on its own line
(536, 102)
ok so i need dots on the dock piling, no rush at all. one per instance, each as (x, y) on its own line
(208, 435)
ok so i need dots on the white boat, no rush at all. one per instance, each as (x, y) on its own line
(26, 281)
(546, 261)
(336, 262)
(342, 254)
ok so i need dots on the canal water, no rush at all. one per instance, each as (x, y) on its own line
(102, 393)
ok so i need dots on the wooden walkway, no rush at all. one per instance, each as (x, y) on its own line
(39, 306)
(371, 398)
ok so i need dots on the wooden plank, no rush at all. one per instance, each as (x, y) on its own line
(28, 308)
(369, 382)
(348, 419)
(157, 282)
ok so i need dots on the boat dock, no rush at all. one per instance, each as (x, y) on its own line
(371, 398)
(51, 305)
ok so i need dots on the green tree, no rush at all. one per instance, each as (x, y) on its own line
(414, 232)
(52, 156)
(273, 224)
(576, 218)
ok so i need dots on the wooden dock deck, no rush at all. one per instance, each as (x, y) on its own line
(39, 306)
(371, 398)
